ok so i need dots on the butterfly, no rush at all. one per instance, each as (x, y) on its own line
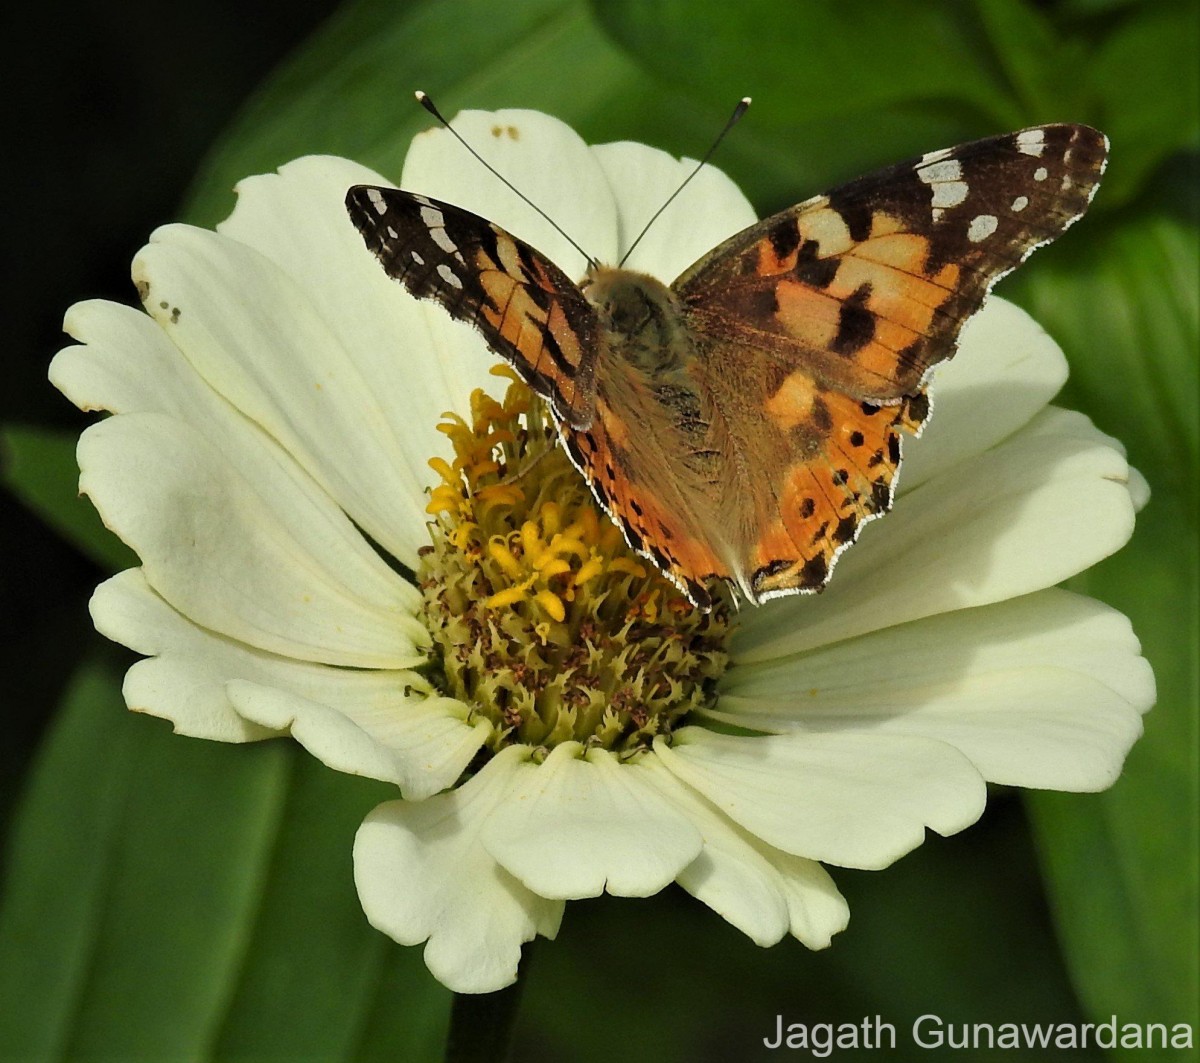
(744, 423)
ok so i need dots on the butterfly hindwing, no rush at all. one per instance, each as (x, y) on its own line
(870, 285)
(526, 307)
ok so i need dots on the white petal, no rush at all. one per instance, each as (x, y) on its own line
(858, 800)
(1043, 691)
(578, 826)
(539, 155)
(298, 219)
(219, 554)
(1046, 504)
(1053, 627)
(422, 873)
(184, 682)
(249, 330)
(704, 214)
(421, 744)
(419, 741)
(129, 366)
(762, 891)
(1139, 489)
(1007, 369)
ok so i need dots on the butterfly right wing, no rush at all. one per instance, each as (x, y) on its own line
(866, 288)
(527, 309)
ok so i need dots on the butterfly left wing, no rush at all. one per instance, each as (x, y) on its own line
(528, 310)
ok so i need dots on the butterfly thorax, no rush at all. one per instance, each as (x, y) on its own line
(641, 318)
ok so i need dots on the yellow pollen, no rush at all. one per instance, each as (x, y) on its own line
(544, 620)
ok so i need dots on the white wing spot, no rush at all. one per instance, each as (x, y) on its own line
(392, 232)
(945, 170)
(1032, 142)
(937, 213)
(949, 193)
(376, 198)
(982, 227)
(934, 156)
(945, 178)
(1041, 173)
(417, 258)
(1019, 204)
(1066, 182)
(447, 274)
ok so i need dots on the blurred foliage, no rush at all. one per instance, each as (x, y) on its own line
(179, 899)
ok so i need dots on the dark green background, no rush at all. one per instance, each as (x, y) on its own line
(165, 898)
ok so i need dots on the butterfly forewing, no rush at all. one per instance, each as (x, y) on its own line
(868, 287)
(529, 311)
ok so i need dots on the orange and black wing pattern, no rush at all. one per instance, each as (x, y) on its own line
(867, 287)
(829, 316)
(528, 310)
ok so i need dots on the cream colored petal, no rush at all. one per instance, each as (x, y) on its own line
(219, 553)
(709, 210)
(1053, 627)
(420, 741)
(858, 800)
(578, 826)
(298, 219)
(544, 159)
(251, 333)
(127, 365)
(1139, 489)
(184, 681)
(1047, 503)
(1042, 691)
(1007, 369)
(423, 875)
(764, 892)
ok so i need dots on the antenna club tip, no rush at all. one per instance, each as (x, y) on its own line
(424, 100)
(746, 101)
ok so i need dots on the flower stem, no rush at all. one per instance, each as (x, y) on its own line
(481, 1024)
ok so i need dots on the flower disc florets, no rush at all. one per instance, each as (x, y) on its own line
(543, 618)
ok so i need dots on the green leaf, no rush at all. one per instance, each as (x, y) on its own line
(1122, 866)
(38, 466)
(1145, 81)
(58, 865)
(176, 899)
(819, 60)
(349, 91)
(831, 99)
(1043, 68)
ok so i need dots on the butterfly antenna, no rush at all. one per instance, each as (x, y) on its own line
(429, 105)
(738, 111)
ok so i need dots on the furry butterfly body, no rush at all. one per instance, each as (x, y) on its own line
(743, 423)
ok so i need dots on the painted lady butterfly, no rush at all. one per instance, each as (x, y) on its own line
(743, 423)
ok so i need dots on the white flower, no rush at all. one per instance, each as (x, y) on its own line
(279, 405)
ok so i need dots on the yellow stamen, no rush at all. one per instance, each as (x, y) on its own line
(552, 604)
(499, 552)
(506, 597)
(549, 625)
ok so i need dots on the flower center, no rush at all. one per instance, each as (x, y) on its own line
(544, 620)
